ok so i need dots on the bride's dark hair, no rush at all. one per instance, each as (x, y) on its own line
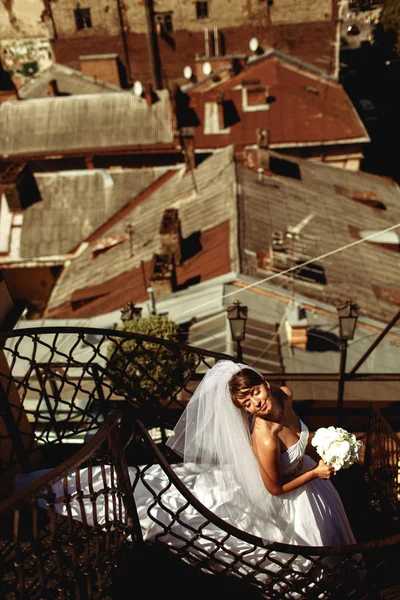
(241, 383)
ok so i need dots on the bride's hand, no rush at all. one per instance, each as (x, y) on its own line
(324, 471)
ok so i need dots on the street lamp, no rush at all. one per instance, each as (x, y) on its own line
(348, 315)
(237, 315)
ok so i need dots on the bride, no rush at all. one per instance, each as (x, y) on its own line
(249, 447)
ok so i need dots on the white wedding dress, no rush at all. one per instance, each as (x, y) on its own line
(313, 514)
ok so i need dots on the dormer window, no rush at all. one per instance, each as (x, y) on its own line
(214, 118)
(254, 98)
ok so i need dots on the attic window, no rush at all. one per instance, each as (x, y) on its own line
(284, 167)
(280, 259)
(214, 119)
(367, 198)
(254, 98)
(83, 19)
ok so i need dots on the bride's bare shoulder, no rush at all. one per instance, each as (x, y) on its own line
(287, 391)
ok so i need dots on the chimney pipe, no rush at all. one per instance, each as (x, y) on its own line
(124, 43)
(152, 46)
(216, 41)
(206, 42)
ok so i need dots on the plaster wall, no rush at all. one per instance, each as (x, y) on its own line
(221, 13)
(22, 18)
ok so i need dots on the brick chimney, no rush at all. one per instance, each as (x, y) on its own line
(170, 235)
(163, 275)
(104, 67)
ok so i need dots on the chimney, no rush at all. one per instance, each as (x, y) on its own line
(296, 325)
(52, 88)
(104, 67)
(170, 234)
(163, 275)
(262, 135)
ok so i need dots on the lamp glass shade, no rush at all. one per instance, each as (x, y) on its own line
(237, 315)
(347, 326)
(238, 327)
(348, 315)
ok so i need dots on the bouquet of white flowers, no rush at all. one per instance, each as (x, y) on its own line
(337, 447)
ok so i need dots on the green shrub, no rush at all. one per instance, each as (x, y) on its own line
(149, 371)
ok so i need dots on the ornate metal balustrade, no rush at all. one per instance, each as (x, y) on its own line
(54, 542)
(58, 384)
(86, 403)
(383, 462)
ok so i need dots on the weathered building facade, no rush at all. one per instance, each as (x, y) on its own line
(155, 40)
(23, 18)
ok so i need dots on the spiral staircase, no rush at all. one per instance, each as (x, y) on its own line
(94, 407)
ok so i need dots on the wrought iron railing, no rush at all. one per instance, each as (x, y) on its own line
(383, 462)
(58, 384)
(62, 534)
(56, 541)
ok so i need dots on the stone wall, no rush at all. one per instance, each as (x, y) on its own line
(182, 14)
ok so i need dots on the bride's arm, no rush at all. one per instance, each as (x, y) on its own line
(269, 461)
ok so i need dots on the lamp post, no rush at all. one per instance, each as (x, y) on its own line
(348, 315)
(237, 315)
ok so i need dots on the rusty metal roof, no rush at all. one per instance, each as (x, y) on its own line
(92, 121)
(343, 264)
(69, 82)
(302, 106)
(234, 218)
(206, 203)
(75, 204)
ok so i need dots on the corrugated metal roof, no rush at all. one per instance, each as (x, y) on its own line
(91, 121)
(74, 204)
(281, 202)
(69, 82)
(206, 203)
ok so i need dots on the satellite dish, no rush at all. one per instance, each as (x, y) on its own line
(207, 68)
(253, 44)
(138, 88)
(187, 72)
